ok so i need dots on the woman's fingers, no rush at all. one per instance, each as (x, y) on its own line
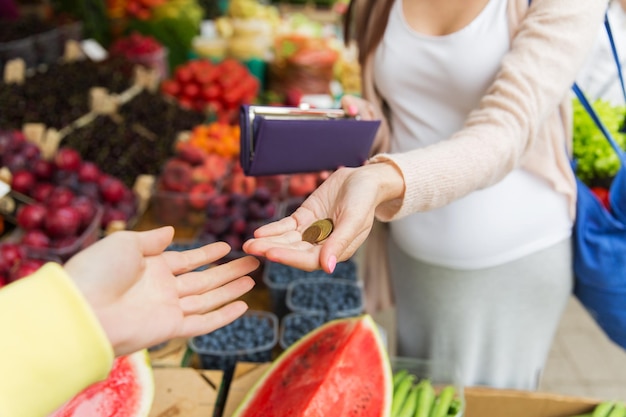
(185, 261)
(355, 106)
(305, 259)
(214, 277)
(276, 228)
(215, 298)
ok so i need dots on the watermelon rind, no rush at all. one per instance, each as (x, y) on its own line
(143, 383)
(366, 320)
(145, 377)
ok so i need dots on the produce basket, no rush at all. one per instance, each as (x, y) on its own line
(250, 338)
(335, 297)
(277, 278)
(64, 251)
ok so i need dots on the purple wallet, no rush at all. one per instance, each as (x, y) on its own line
(288, 140)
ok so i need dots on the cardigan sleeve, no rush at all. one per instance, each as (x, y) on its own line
(51, 344)
(551, 42)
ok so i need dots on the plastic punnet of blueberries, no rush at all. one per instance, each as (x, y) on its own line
(281, 275)
(333, 296)
(295, 325)
(278, 276)
(250, 338)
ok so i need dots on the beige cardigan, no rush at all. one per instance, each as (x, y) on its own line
(524, 120)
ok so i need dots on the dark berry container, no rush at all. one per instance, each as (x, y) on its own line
(250, 338)
(336, 297)
(295, 325)
(277, 278)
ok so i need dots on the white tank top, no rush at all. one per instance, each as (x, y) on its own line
(431, 83)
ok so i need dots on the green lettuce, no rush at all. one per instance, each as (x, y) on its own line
(596, 161)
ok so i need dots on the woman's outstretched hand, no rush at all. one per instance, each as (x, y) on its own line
(348, 197)
(143, 295)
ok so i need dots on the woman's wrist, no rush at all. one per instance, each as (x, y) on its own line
(388, 179)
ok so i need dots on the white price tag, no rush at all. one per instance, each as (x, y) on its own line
(94, 50)
(4, 189)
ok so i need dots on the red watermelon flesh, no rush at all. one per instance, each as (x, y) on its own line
(128, 391)
(339, 369)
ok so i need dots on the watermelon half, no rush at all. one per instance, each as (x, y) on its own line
(128, 391)
(338, 369)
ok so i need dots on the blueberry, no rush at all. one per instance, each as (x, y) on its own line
(331, 296)
(249, 338)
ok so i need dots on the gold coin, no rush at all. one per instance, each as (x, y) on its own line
(318, 231)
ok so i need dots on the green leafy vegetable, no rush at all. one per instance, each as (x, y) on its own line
(596, 161)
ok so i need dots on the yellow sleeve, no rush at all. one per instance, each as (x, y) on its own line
(51, 344)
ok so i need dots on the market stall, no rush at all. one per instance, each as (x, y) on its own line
(144, 132)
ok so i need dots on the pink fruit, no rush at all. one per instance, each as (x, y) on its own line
(11, 254)
(43, 169)
(112, 189)
(88, 172)
(63, 221)
(68, 159)
(31, 216)
(60, 196)
(23, 181)
(35, 238)
(41, 191)
(176, 176)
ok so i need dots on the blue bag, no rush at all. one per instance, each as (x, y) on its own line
(600, 239)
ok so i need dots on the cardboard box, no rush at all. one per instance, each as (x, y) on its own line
(185, 392)
(489, 402)
(480, 402)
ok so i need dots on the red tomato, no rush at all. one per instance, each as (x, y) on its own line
(211, 92)
(183, 74)
(191, 91)
(603, 195)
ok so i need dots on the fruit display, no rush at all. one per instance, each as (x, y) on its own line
(17, 261)
(233, 217)
(217, 137)
(332, 296)
(277, 278)
(62, 87)
(419, 397)
(142, 50)
(215, 88)
(249, 338)
(174, 23)
(304, 64)
(295, 325)
(136, 141)
(72, 199)
(128, 390)
(340, 368)
(186, 184)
